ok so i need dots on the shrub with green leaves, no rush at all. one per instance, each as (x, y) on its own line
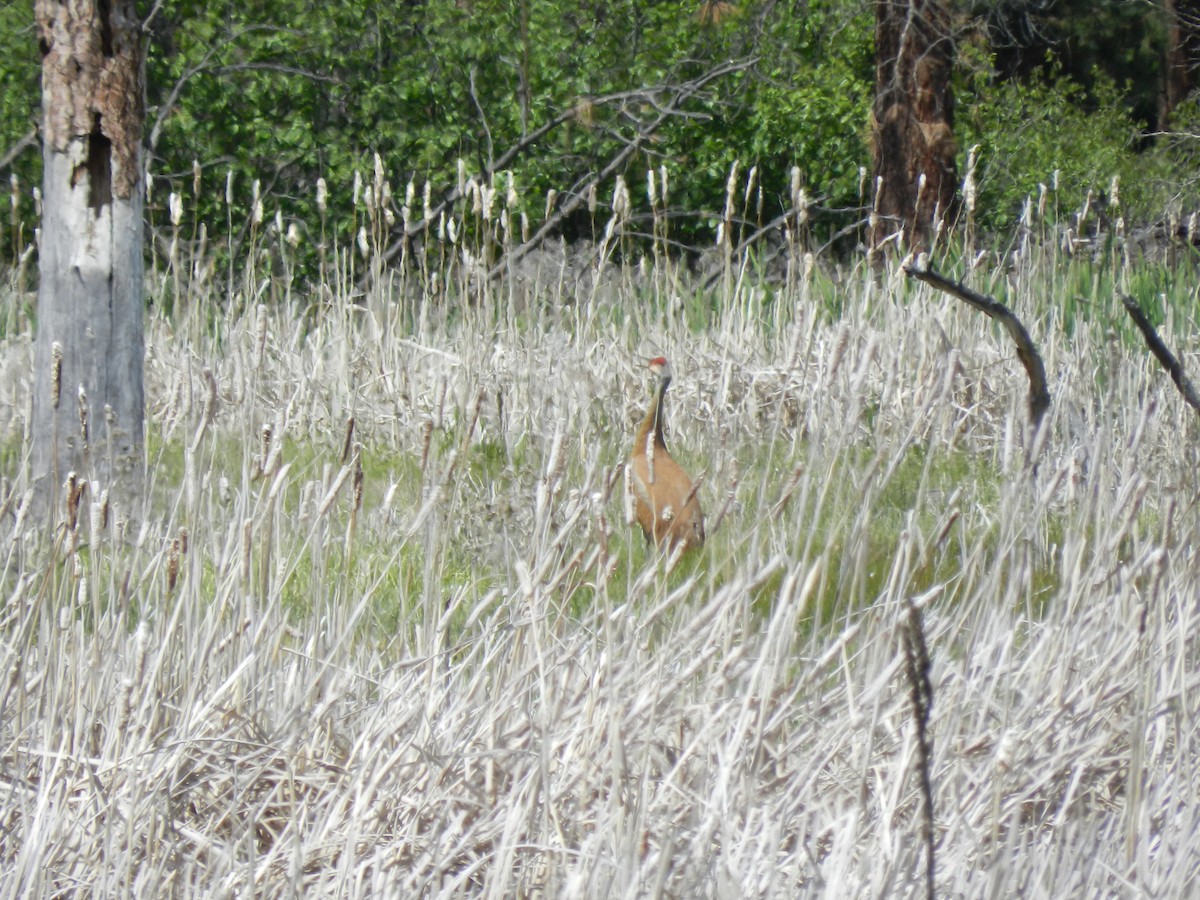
(1027, 132)
(282, 92)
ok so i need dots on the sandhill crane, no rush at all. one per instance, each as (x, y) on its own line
(664, 499)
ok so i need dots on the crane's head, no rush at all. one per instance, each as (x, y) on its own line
(661, 368)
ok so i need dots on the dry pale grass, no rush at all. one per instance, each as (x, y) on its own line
(429, 659)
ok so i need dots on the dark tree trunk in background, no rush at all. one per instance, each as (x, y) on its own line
(1182, 56)
(913, 121)
(90, 294)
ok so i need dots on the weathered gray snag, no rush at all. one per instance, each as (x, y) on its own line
(1039, 394)
(88, 400)
(1165, 357)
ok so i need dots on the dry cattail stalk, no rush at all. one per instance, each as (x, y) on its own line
(74, 488)
(751, 183)
(226, 642)
(209, 412)
(916, 669)
(487, 195)
(56, 358)
(83, 419)
(256, 215)
(172, 566)
(247, 545)
(426, 442)
(260, 335)
(628, 496)
(358, 478)
(348, 442)
(334, 490)
(264, 443)
(969, 189)
(730, 193)
(96, 515)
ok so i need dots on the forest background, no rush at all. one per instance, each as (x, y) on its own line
(282, 92)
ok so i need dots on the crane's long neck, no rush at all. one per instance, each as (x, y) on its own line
(655, 416)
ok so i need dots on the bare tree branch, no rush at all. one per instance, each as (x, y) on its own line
(1165, 357)
(165, 108)
(152, 15)
(1039, 395)
(681, 94)
(487, 130)
(18, 148)
(578, 192)
(207, 66)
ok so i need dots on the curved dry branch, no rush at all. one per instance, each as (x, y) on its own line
(651, 97)
(206, 66)
(1039, 394)
(1165, 357)
(666, 110)
(18, 148)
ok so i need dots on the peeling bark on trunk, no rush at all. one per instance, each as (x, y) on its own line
(88, 400)
(912, 122)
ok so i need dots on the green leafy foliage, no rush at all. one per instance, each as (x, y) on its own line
(282, 92)
(19, 108)
(1039, 133)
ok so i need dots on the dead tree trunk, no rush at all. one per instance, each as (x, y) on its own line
(1182, 56)
(88, 400)
(912, 122)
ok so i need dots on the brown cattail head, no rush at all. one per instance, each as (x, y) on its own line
(358, 477)
(74, 489)
(348, 443)
(173, 566)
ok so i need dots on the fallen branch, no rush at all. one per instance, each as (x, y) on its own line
(1039, 395)
(1165, 357)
